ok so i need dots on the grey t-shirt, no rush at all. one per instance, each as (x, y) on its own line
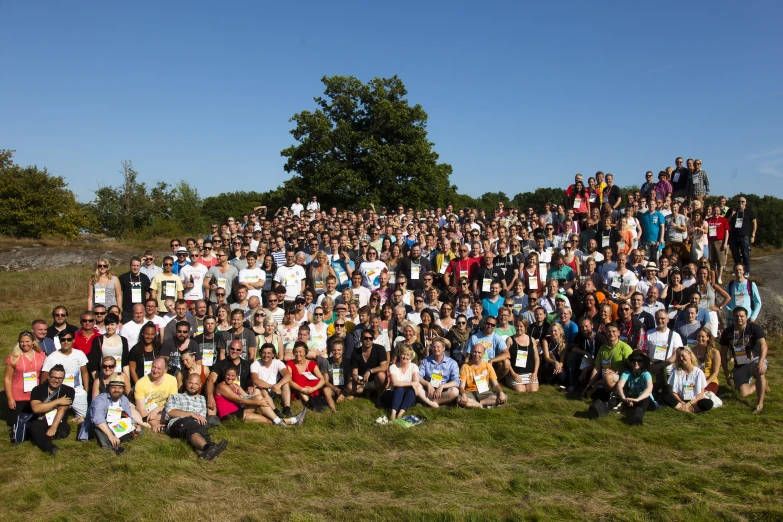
(222, 280)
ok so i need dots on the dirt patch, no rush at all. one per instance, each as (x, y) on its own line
(18, 259)
(767, 272)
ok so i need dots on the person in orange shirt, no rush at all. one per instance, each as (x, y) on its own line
(477, 380)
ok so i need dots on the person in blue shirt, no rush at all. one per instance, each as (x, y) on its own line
(111, 416)
(438, 376)
(633, 391)
(182, 260)
(653, 225)
(742, 293)
(570, 328)
(492, 303)
(343, 269)
(493, 345)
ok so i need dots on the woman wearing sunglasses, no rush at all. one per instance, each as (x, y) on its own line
(104, 288)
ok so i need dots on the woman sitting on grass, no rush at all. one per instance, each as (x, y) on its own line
(232, 401)
(688, 385)
(306, 378)
(404, 384)
(633, 390)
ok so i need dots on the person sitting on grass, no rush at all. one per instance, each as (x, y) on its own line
(745, 341)
(475, 378)
(152, 391)
(335, 378)
(232, 401)
(112, 415)
(50, 402)
(187, 414)
(438, 376)
(272, 377)
(404, 384)
(633, 391)
(522, 353)
(688, 385)
(306, 378)
(369, 364)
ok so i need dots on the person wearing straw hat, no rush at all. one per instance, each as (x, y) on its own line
(111, 415)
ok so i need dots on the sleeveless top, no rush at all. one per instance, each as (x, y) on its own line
(319, 279)
(516, 349)
(109, 297)
(705, 363)
(707, 298)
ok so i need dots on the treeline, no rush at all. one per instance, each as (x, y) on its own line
(36, 204)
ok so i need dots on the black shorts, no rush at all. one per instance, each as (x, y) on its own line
(239, 414)
(186, 427)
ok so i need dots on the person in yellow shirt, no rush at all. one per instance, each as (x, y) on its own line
(166, 285)
(477, 382)
(152, 391)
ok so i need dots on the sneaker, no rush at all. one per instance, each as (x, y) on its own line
(598, 409)
(119, 450)
(54, 450)
(301, 417)
(208, 453)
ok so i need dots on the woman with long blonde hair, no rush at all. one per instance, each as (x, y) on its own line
(103, 287)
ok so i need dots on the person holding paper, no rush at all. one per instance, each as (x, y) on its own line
(475, 378)
(151, 392)
(112, 416)
(50, 402)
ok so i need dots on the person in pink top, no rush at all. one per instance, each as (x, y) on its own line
(22, 374)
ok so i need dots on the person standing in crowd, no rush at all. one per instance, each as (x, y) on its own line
(742, 233)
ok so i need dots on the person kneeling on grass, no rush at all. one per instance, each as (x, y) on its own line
(746, 343)
(369, 363)
(50, 402)
(688, 385)
(337, 369)
(112, 416)
(438, 376)
(475, 378)
(633, 391)
(187, 419)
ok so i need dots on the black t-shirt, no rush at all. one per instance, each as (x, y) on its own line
(248, 338)
(749, 336)
(647, 320)
(41, 393)
(129, 282)
(377, 356)
(52, 332)
(219, 369)
(495, 274)
(540, 332)
(746, 230)
(612, 194)
(173, 351)
(681, 182)
(138, 355)
(217, 343)
(591, 346)
(507, 265)
(95, 358)
(520, 363)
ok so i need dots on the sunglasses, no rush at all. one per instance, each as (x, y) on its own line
(67, 340)
(491, 325)
(107, 367)
(88, 320)
(221, 295)
(60, 315)
(366, 338)
(168, 264)
(102, 266)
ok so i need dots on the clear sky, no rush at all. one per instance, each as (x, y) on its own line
(518, 95)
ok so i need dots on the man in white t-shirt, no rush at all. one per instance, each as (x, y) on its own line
(131, 330)
(271, 376)
(297, 207)
(662, 344)
(331, 290)
(75, 364)
(362, 293)
(193, 277)
(313, 205)
(252, 276)
(291, 276)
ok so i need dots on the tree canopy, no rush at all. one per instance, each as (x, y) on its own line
(35, 204)
(365, 144)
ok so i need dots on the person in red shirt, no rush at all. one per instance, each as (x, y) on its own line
(718, 237)
(82, 341)
(459, 267)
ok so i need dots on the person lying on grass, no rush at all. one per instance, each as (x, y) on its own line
(475, 378)
(187, 414)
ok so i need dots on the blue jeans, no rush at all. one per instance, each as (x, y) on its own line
(403, 398)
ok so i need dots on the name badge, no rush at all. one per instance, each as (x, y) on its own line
(713, 230)
(605, 365)
(687, 392)
(532, 283)
(69, 380)
(485, 284)
(341, 276)
(99, 296)
(659, 354)
(114, 414)
(738, 223)
(222, 282)
(337, 377)
(617, 281)
(521, 361)
(444, 266)
(393, 277)
(150, 404)
(147, 367)
(604, 241)
(741, 355)
(50, 416)
(481, 383)
(415, 269)
(463, 273)
(577, 202)
(29, 381)
(309, 376)
(136, 293)
(208, 356)
(118, 361)
(170, 289)
(436, 379)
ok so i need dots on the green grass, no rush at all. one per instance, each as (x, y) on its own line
(537, 458)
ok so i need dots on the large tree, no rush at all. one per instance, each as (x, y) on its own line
(365, 144)
(35, 204)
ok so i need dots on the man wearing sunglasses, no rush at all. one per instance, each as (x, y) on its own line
(492, 346)
(50, 401)
(59, 324)
(74, 363)
(166, 285)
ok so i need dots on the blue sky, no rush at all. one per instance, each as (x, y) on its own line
(518, 96)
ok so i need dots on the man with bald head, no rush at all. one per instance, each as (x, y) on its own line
(132, 329)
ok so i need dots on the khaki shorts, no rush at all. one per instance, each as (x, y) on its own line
(744, 373)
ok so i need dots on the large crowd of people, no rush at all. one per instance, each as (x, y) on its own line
(619, 298)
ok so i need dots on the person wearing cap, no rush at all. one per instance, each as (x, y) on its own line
(112, 417)
(187, 414)
(650, 279)
(182, 260)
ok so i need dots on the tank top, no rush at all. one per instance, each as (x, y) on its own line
(705, 363)
(319, 279)
(707, 297)
(572, 264)
(522, 364)
(104, 294)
